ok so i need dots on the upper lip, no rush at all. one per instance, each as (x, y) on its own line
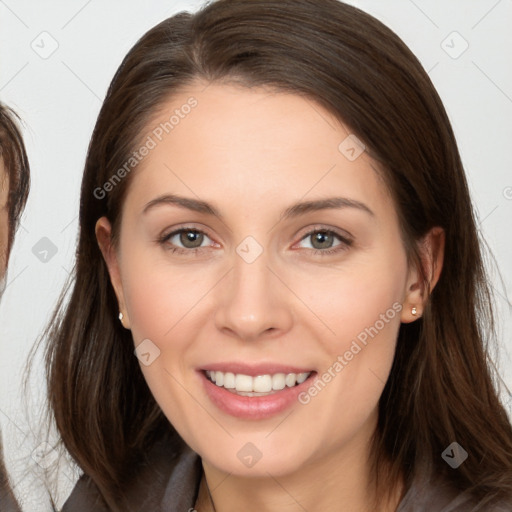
(254, 369)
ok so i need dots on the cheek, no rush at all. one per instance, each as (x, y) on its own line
(163, 305)
(155, 302)
(158, 295)
(167, 304)
(363, 309)
(361, 301)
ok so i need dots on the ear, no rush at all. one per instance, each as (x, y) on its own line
(431, 249)
(103, 232)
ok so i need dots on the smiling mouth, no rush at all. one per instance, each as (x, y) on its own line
(260, 385)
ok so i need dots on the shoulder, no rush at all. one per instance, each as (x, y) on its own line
(168, 481)
(85, 497)
(437, 495)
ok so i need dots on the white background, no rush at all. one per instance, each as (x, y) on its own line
(59, 97)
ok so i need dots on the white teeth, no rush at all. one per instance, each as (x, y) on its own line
(290, 380)
(245, 384)
(278, 382)
(262, 384)
(301, 377)
(229, 380)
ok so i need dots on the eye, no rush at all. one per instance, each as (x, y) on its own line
(185, 240)
(189, 240)
(323, 241)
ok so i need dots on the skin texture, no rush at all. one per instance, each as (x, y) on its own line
(252, 153)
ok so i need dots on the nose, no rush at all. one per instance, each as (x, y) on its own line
(253, 303)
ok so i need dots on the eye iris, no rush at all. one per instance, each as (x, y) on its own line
(324, 240)
(191, 237)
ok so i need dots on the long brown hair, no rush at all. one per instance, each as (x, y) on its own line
(15, 160)
(440, 388)
(14, 156)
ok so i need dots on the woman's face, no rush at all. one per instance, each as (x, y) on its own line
(247, 289)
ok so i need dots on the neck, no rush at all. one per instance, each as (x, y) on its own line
(340, 478)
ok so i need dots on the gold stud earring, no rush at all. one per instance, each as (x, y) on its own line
(413, 310)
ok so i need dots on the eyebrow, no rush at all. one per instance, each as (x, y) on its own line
(324, 204)
(295, 210)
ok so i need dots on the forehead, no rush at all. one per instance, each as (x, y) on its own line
(251, 143)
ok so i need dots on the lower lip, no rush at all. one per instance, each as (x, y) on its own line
(253, 407)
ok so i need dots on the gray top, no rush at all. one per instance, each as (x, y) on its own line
(439, 496)
(171, 483)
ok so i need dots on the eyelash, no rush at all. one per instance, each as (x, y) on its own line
(345, 242)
